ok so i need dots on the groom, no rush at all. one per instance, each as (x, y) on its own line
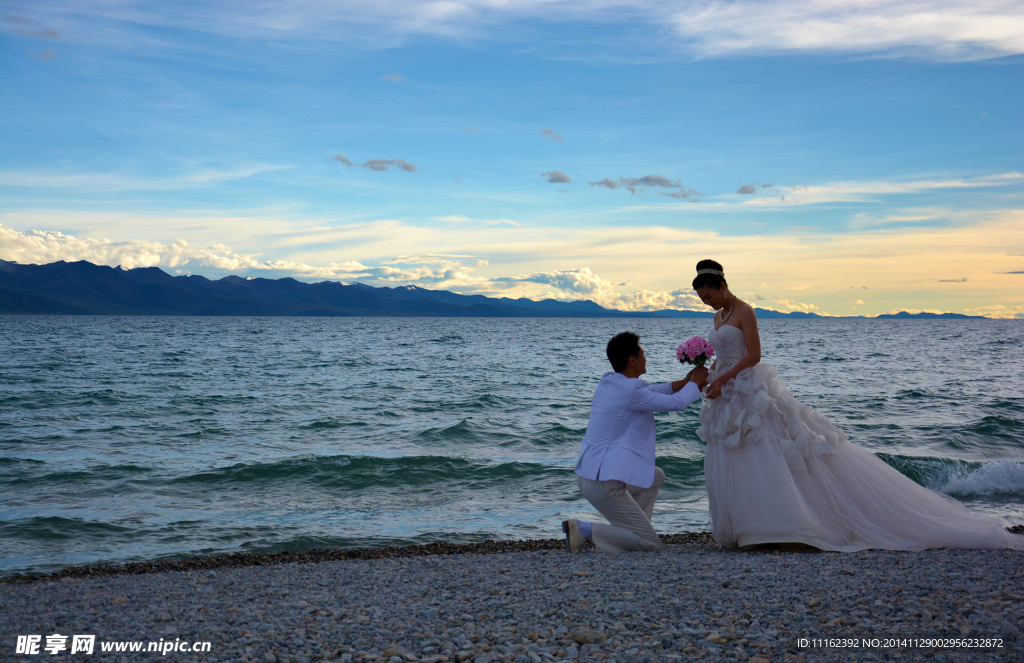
(616, 471)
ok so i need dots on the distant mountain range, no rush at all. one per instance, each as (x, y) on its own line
(82, 288)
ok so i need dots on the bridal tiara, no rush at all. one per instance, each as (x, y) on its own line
(710, 271)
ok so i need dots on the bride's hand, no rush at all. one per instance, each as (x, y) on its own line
(715, 390)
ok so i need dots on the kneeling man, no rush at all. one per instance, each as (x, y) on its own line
(616, 471)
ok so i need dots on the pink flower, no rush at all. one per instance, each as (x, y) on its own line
(694, 351)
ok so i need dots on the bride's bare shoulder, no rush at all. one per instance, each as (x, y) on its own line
(742, 306)
(746, 311)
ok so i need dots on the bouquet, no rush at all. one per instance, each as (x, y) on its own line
(696, 351)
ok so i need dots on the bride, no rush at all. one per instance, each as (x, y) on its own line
(779, 472)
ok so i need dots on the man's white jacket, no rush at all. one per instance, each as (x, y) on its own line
(619, 444)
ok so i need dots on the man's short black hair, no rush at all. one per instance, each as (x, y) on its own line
(621, 348)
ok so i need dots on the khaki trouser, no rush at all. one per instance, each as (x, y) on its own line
(628, 509)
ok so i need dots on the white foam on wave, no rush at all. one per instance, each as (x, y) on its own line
(997, 476)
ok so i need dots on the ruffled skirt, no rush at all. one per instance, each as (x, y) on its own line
(779, 472)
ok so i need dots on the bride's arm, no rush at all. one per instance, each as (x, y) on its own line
(714, 364)
(748, 323)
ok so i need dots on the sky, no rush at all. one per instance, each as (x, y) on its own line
(841, 157)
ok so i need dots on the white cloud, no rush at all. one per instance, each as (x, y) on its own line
(940, 29)
(854, 191)
(789, 306)
(578, 281)
(458, 218)
(113, 182)
(998, 311)
(903, 217)
(583, 283)
(426, 258)
(42, 247)
(650, 300)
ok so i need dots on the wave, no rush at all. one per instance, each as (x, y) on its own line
(352, 473)
(23, 473)
(8, 464)
(491, 400)
(556, 436)
(460, 431)
(323, 424)
(962, 478)
(997, 477)
(447, 339)
(913, 395)
(999, 426)
(55, 528)
(683, 474)
(485, 401)
(991, 435)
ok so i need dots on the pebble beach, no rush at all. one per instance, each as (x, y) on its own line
(530, 602)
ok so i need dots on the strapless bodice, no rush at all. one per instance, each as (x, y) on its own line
(730, 346)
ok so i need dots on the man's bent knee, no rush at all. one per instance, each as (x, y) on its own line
(649, 544)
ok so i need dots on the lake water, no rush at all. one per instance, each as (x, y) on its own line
(129, 438)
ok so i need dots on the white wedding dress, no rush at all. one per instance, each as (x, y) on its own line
(779, 472)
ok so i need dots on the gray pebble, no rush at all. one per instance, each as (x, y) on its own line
(526, 606)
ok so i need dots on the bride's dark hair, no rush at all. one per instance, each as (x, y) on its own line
(709, 280)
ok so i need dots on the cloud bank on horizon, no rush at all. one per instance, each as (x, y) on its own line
(851, 157)
(815, 261)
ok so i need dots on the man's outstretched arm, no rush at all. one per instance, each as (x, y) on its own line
(650, 400)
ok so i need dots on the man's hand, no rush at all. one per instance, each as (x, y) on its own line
(698, 376)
